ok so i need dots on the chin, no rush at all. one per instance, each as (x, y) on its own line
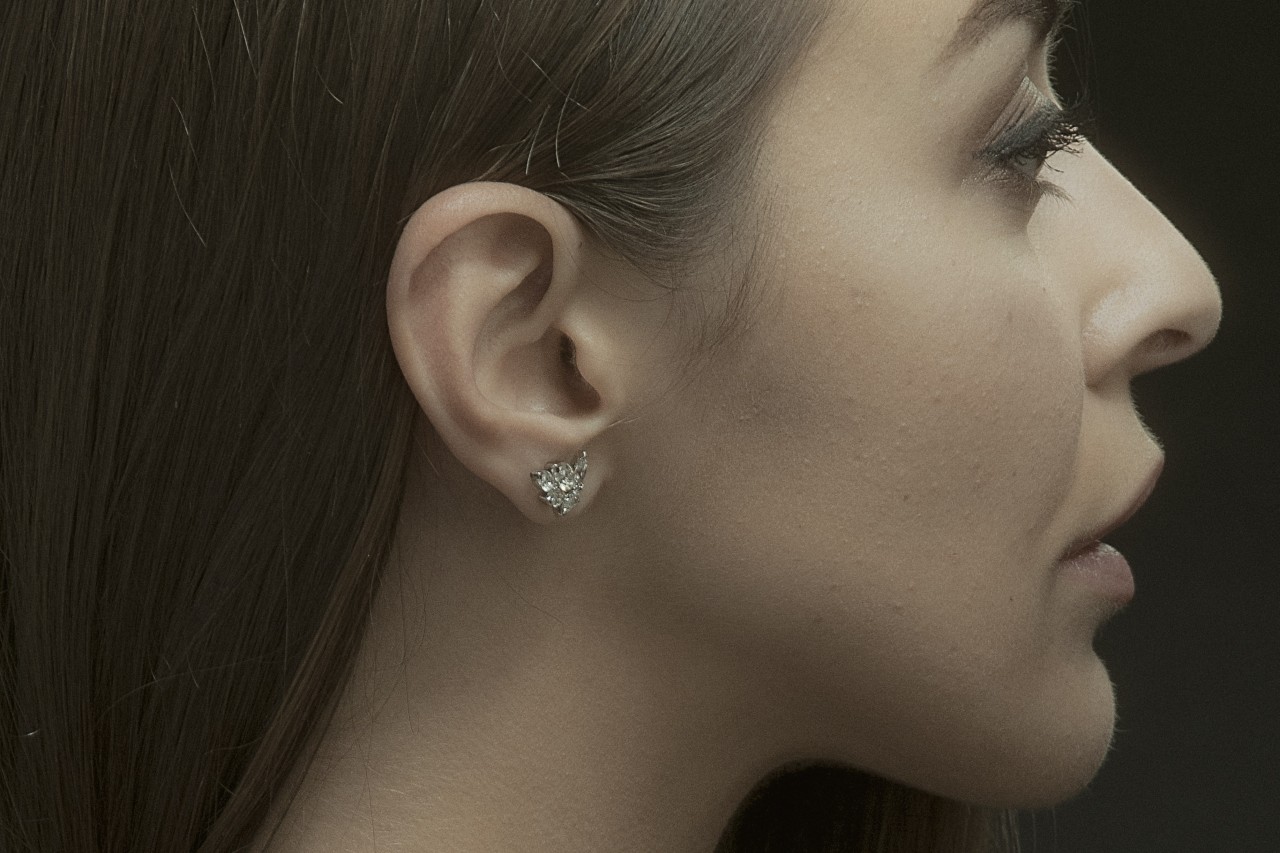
(1055, 759)
(1050, 778)
(1044, 787)
(1035, 743)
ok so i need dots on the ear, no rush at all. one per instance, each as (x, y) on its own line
(492, 322)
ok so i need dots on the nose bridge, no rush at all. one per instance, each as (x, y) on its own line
(1148, 299)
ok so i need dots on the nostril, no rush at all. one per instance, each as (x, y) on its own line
(1164, 347)
(1167, 341)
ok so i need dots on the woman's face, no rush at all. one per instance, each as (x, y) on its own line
(863, 501)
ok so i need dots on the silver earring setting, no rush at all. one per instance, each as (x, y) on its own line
(560, 483)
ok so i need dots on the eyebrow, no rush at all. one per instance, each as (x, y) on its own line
(987, 16)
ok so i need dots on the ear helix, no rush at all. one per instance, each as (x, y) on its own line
(560, 483)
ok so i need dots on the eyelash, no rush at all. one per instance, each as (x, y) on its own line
(1018, 154)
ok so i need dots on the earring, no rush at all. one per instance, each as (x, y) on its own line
(561, 483)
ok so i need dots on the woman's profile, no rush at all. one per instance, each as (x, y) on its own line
(573, 425)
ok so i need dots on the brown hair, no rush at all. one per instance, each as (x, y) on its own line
(827, 808)
(203, 430)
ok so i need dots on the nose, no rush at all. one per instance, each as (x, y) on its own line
(1148, 299)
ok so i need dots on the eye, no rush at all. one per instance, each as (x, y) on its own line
(1032, 128)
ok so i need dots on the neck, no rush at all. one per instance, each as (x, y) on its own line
(505, 700)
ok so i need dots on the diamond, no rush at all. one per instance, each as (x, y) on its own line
(561, 483)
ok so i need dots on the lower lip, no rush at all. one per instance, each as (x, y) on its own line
(1105, 569)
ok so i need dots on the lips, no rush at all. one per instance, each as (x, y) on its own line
(1089, 540)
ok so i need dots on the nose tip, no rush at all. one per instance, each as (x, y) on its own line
(1166, 312)
(1159, 303)
(1185, 335)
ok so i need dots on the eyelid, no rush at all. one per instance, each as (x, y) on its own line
(1018, 75)
(1030, 129)
(1027, 100)
(1023, 126)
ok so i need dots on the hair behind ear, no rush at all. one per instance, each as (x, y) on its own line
(203, 426)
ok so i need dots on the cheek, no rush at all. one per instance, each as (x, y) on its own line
(944, 408)
(875, 471)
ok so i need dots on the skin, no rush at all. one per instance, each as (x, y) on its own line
(837, 538)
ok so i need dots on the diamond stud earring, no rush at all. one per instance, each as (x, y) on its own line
(561, 483)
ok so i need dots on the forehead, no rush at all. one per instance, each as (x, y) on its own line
(871, 59)
(869, 117)
(892, 33)
(930, 34)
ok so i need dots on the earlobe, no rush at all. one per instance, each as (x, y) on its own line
(489, 319)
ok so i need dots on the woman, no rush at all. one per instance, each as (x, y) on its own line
(478, 425)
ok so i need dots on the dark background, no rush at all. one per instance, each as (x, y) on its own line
(1187, 98)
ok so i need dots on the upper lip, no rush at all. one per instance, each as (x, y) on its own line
(1148, 486)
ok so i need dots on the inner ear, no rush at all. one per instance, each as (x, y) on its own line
(583, 396)
(540, 377)
(521, 304)
(539, 374)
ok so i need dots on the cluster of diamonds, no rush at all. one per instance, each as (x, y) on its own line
(561, 483)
